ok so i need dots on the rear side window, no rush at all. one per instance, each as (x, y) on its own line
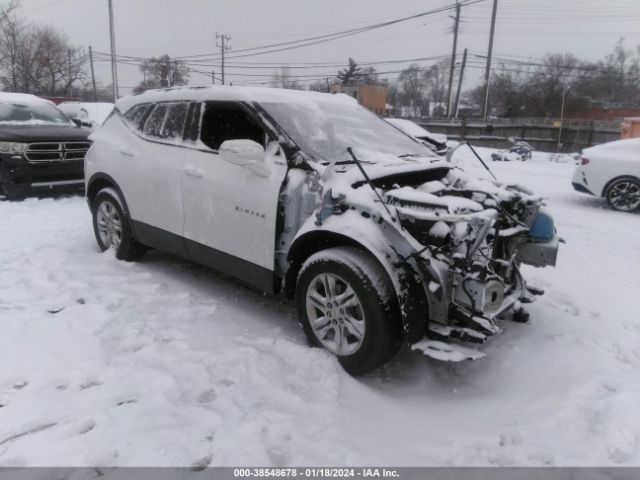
(155, 120)
(166, 120)
(175, 120)
(135, 114)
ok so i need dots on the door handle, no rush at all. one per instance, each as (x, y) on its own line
(127, 152)
(193, 171)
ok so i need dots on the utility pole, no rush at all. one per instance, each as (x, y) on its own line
(489, 53)
(93, 75)
(224, 47)
(453, 57)
(564, 93)
(455, 105)
(213, 77)
(114, 68)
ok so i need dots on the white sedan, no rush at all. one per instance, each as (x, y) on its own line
(612, 171)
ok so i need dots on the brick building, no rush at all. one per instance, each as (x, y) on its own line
(372, 97)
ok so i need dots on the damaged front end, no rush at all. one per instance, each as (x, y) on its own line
(460, 240)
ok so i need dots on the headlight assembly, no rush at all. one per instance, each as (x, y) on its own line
(18, 147)
(12, 147)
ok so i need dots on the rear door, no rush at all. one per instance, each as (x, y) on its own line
(230, 211)
(153, 188)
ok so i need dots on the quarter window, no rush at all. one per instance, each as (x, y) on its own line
(135, 114)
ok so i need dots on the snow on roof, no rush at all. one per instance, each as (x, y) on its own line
(224, 92)
(629, 144)
(23, 98)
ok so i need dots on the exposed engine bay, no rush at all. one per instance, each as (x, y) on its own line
(464, 239)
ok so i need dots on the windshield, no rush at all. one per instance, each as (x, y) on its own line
(31, 114)
(324, 130)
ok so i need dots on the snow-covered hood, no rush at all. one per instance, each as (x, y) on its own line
(382, 166)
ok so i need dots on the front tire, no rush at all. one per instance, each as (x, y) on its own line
(623, 194)
(347, 305)
(112, 228)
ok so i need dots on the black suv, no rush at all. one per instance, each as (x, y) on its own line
(41, 150)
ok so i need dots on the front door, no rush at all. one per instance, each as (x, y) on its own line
(231, 212)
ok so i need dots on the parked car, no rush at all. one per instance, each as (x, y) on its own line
(379, 241)
(87, 114)
(520, 151)
(435, 141)
(612, 171)
(41, 150)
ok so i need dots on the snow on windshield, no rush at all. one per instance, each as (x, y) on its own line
(324, 130)
(32, 113)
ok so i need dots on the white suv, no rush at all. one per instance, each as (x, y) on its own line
(379, 240)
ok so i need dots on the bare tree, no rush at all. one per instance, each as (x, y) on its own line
(411, 89)
(175, 71)
(435, 80)
(38, 59)
(10, 27)
(319, 86)
(283, 79)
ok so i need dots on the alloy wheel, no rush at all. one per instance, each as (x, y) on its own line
(109, 224)
(335, 314)
(624, 195)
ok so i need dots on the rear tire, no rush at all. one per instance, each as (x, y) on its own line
(623, 194)
(348, 306)
(112, 228)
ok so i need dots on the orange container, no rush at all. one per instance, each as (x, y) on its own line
(630, 128)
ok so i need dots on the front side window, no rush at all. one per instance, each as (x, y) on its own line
(223, 121)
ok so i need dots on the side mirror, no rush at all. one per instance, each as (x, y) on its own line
(81, 122)
(245, 153)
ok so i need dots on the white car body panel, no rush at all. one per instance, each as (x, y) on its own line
(606, 162)
(218, 195)
(157, 200)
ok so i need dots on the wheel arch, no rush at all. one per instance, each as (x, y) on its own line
(614, 179)
(97, 182)
(410, 295)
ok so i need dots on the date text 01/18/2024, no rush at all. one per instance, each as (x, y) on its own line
(315, 473)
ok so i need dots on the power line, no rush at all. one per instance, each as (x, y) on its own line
(317, 39)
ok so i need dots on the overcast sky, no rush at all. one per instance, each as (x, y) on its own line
(145, 28)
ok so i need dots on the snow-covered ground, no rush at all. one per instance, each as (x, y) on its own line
(161, 362)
